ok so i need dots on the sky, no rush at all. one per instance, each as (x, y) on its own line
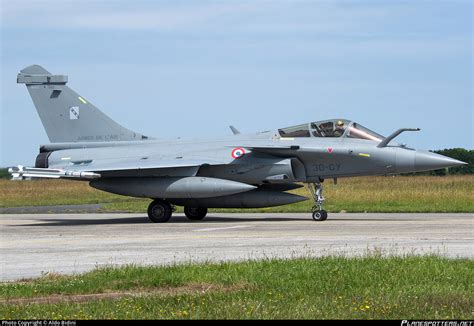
(190, 69)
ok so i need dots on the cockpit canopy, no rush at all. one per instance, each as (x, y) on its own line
(331, 128)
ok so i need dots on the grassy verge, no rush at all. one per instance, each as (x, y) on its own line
(371, 194)
(425, 287)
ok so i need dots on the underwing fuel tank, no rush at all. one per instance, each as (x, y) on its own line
(257, 198)
(189, 187)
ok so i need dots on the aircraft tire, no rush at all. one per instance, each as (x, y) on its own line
(321, 215)
(195, 213)
(159, 211)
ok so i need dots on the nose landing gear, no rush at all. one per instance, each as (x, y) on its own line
(316, 190)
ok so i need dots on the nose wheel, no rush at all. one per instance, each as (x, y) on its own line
(316, 190)
(321, 215)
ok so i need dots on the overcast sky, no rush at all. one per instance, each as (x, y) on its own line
(190, 68)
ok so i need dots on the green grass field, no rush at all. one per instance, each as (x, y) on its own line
(377, 287)
(367, 194)
(425, 287)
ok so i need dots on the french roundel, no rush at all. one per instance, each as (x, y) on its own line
(238, 152)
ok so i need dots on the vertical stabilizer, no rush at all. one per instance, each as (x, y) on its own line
(67, 116)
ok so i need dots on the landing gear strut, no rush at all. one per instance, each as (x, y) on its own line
(159, 211)
(316, 190)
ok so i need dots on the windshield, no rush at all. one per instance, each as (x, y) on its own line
(355, 130)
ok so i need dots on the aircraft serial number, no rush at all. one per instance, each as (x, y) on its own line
(326, 167)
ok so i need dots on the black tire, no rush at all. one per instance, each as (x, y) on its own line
(159, 211)
(320, 215)
(195, 213)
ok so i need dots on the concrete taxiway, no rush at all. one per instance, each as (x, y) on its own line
(32, 244)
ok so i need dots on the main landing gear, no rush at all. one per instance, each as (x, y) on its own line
(316, 190)
(195, 213)
(160, 211)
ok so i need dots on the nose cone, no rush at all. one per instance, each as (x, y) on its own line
(425, 161)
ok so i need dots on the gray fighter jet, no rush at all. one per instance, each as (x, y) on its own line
(238, 171)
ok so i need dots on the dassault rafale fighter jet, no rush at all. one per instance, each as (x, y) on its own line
(239, 171)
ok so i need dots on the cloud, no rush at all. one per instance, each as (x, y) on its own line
(311, 29)
(176, 18)
(118, 15)
(259, 16)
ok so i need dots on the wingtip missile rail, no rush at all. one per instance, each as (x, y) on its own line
(20, 173)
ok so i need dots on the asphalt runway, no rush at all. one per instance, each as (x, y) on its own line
(33, 244)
